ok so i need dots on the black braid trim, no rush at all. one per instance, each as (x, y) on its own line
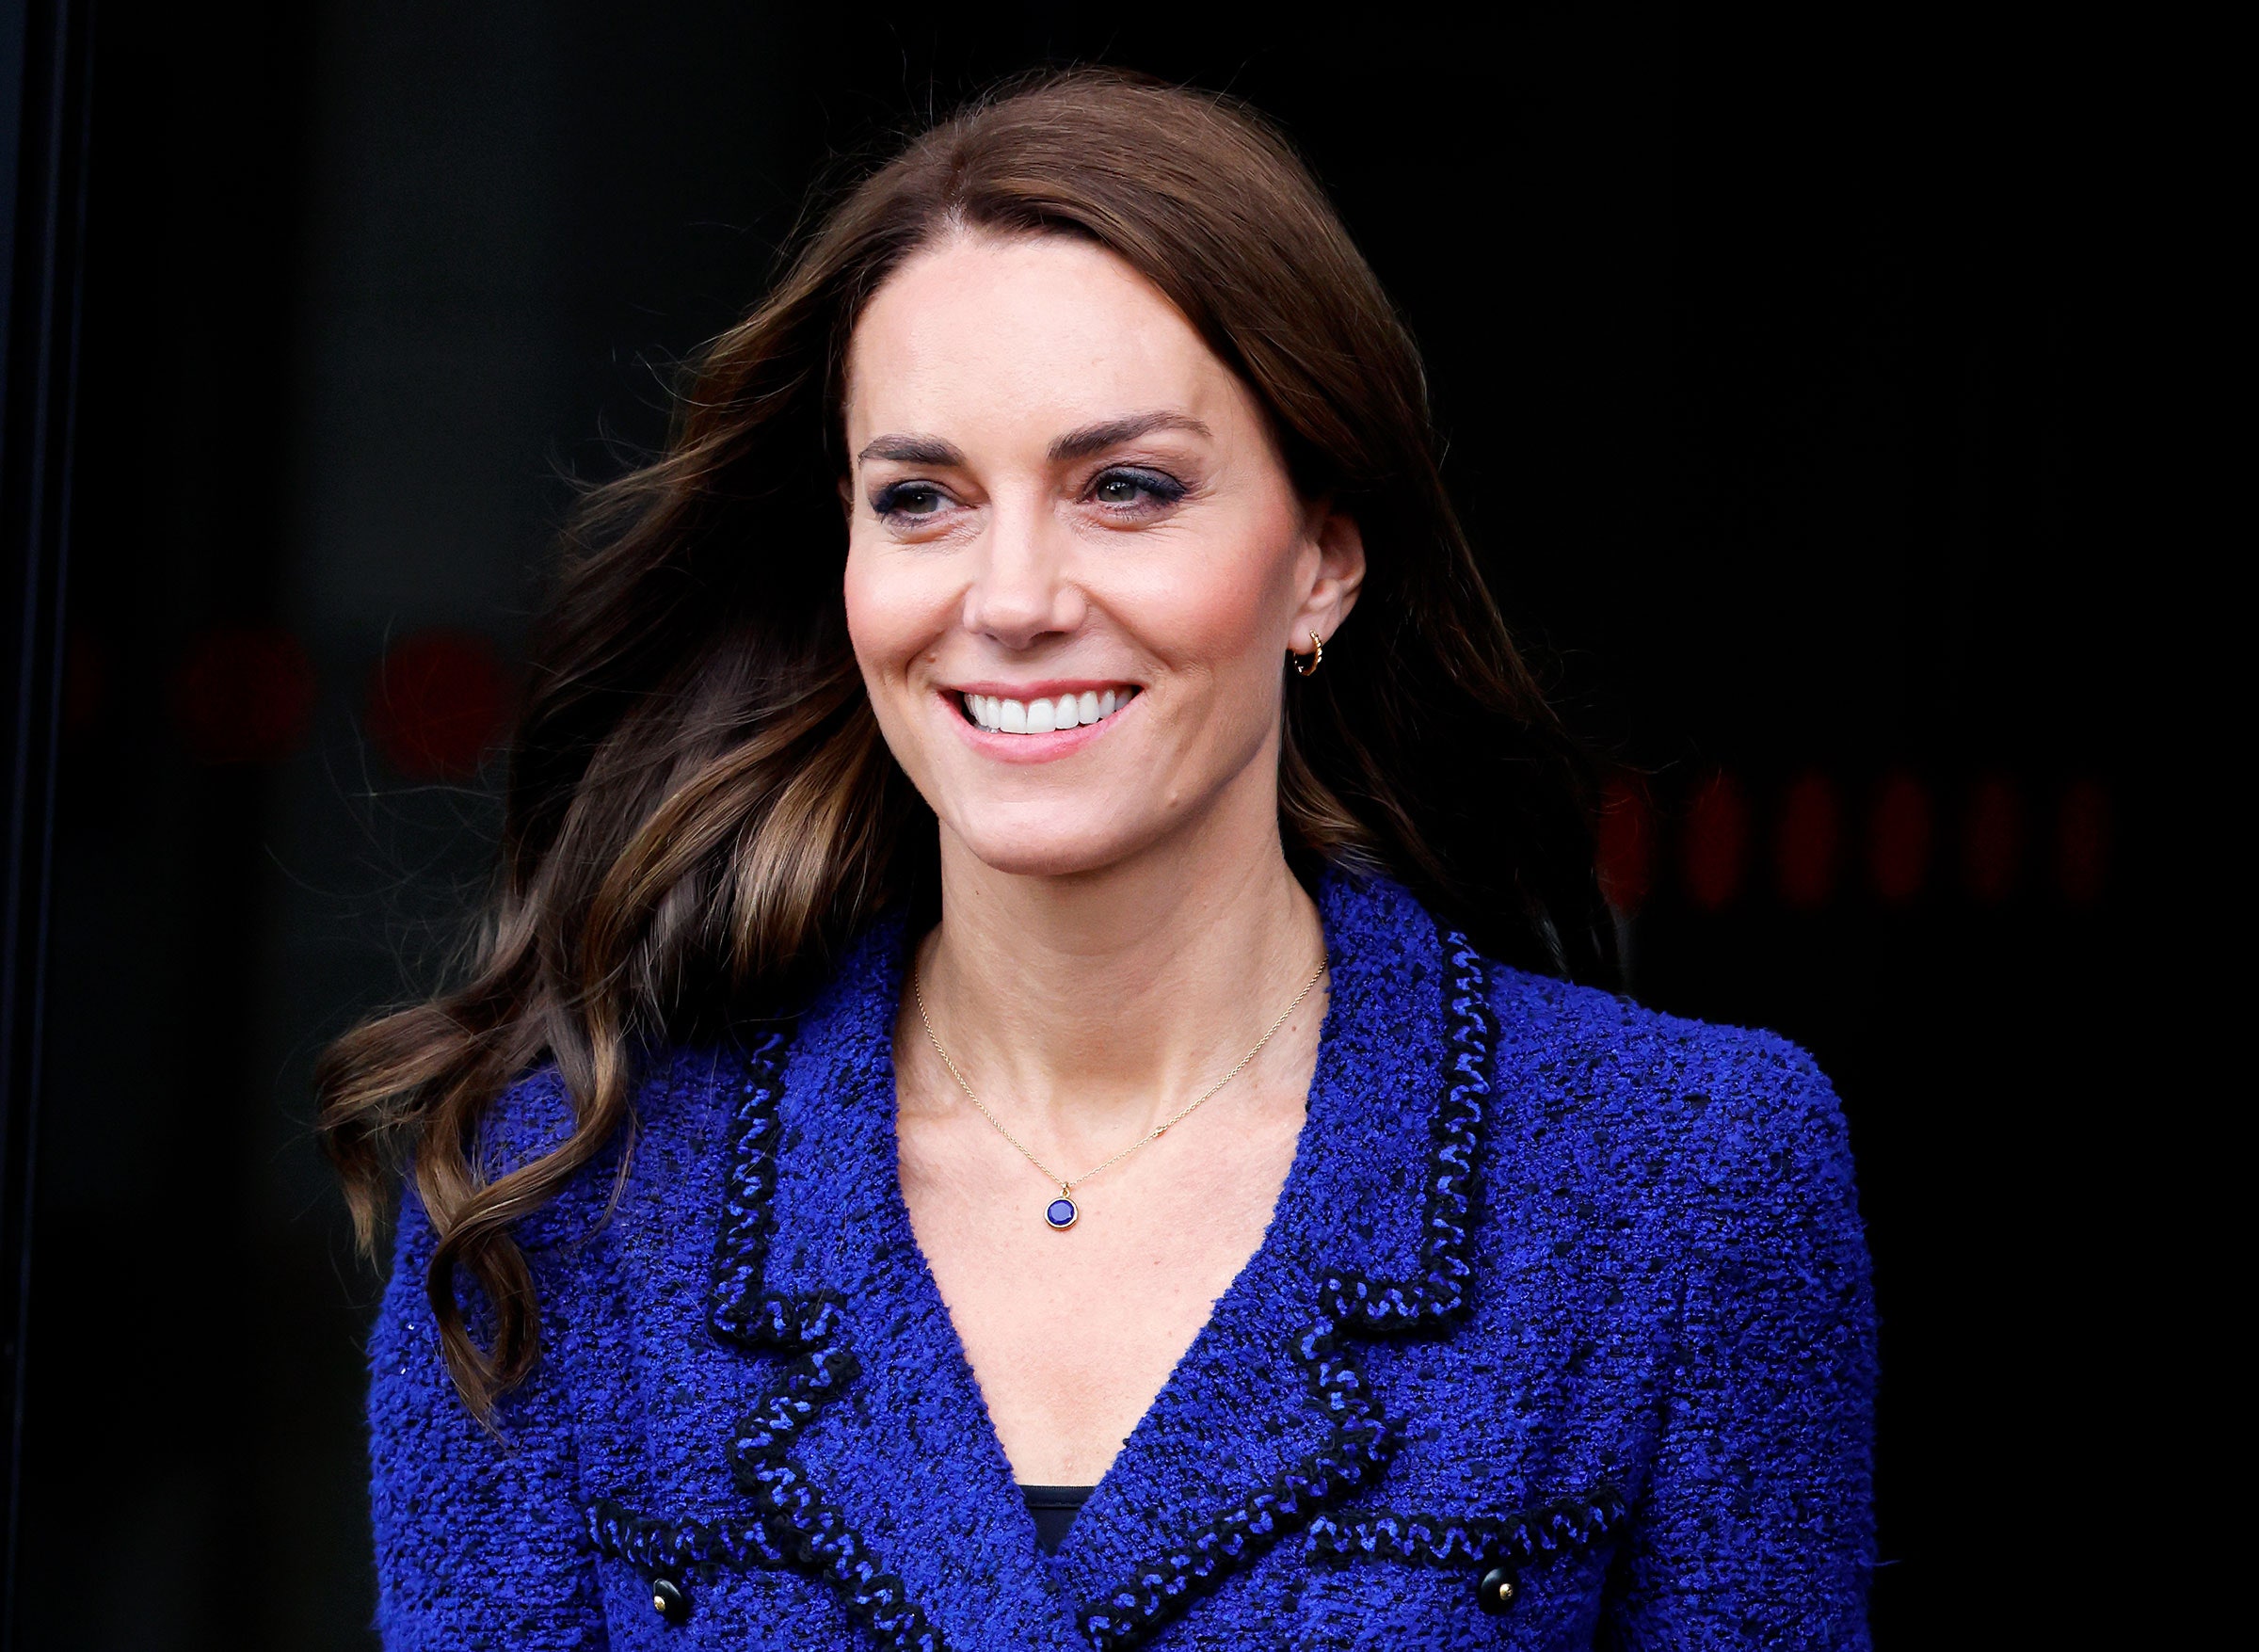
(1514, 1541)
(793, 1526)
(1376, 1308)
(1354, 1457)
(661, 1549)
(734, 1310)
(812, 1532)
(1361, 1445)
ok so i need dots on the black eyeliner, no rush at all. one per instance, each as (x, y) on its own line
(884, 500)
(1163, 486)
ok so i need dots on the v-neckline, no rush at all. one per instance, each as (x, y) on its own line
(902, 1237)
(874, 1448)
(1282, 1248)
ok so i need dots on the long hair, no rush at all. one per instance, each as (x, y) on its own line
(700, 809)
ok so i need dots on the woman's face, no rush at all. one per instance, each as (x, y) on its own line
(1076, 561)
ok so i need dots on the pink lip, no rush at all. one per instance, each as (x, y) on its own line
(1031, 748)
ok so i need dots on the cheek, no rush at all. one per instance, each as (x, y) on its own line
(891, 613)
(1219, 612)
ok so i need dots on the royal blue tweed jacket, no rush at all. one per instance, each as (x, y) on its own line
(1559, 1293)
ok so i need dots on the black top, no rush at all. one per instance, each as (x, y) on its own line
(1054, 1508)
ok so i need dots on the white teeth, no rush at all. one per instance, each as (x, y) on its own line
(1042, 717)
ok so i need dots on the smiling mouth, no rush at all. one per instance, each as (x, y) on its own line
(1043, 716)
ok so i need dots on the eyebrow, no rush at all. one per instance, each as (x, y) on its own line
(911, 450)
(1096, 439)
(1075, 444)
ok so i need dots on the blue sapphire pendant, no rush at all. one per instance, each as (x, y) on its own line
(1061, 1213)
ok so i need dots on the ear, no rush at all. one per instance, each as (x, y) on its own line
(1339, 573)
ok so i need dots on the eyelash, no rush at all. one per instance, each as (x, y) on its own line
(1159, 487)
(888, 500)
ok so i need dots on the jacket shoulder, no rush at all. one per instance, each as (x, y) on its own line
(1722, 1113)
(536, 1115)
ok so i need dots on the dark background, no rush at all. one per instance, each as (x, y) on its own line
(1770, 344)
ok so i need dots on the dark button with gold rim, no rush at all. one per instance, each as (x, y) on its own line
(1497, 1590)
(669, 1600)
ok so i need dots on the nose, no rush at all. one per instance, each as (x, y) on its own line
(1022, 588)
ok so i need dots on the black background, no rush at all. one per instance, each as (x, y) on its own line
(1771, 343)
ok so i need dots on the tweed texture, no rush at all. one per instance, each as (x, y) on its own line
(1558, 1290)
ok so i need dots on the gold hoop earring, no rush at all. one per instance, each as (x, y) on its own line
(1306, 665)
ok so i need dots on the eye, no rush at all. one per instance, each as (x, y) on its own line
(908, 499)
(1126, 489)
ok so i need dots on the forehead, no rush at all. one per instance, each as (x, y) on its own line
(1041, 332)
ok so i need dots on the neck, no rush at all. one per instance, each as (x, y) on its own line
(1097, 1003)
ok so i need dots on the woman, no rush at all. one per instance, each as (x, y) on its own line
(1020, 1090)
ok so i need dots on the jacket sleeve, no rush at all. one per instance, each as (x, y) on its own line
(1756, 1528)
(478, 1535)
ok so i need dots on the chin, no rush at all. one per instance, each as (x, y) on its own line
(1048, 847)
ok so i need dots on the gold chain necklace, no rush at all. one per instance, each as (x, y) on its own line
(1060, 1212)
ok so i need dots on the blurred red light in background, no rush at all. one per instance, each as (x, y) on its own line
(1899, 839)
(86, 682)
(243, 695)
(437, 703)
(1716, 842)
(2082, 841)
(1992, 845)
(1810, 842)
(1626, 846)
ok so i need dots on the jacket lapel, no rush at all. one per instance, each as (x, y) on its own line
(867, 1452)
(1267, 1421)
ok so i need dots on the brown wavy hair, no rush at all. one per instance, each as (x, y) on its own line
(700, 809)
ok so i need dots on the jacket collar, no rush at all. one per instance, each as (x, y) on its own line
(868, 1457)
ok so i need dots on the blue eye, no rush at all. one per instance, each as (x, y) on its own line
(907, 498)
(1124, 486)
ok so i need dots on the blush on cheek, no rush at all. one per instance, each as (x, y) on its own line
(891, 615)
(888, 626)
(1225, 618)
(866, 609)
